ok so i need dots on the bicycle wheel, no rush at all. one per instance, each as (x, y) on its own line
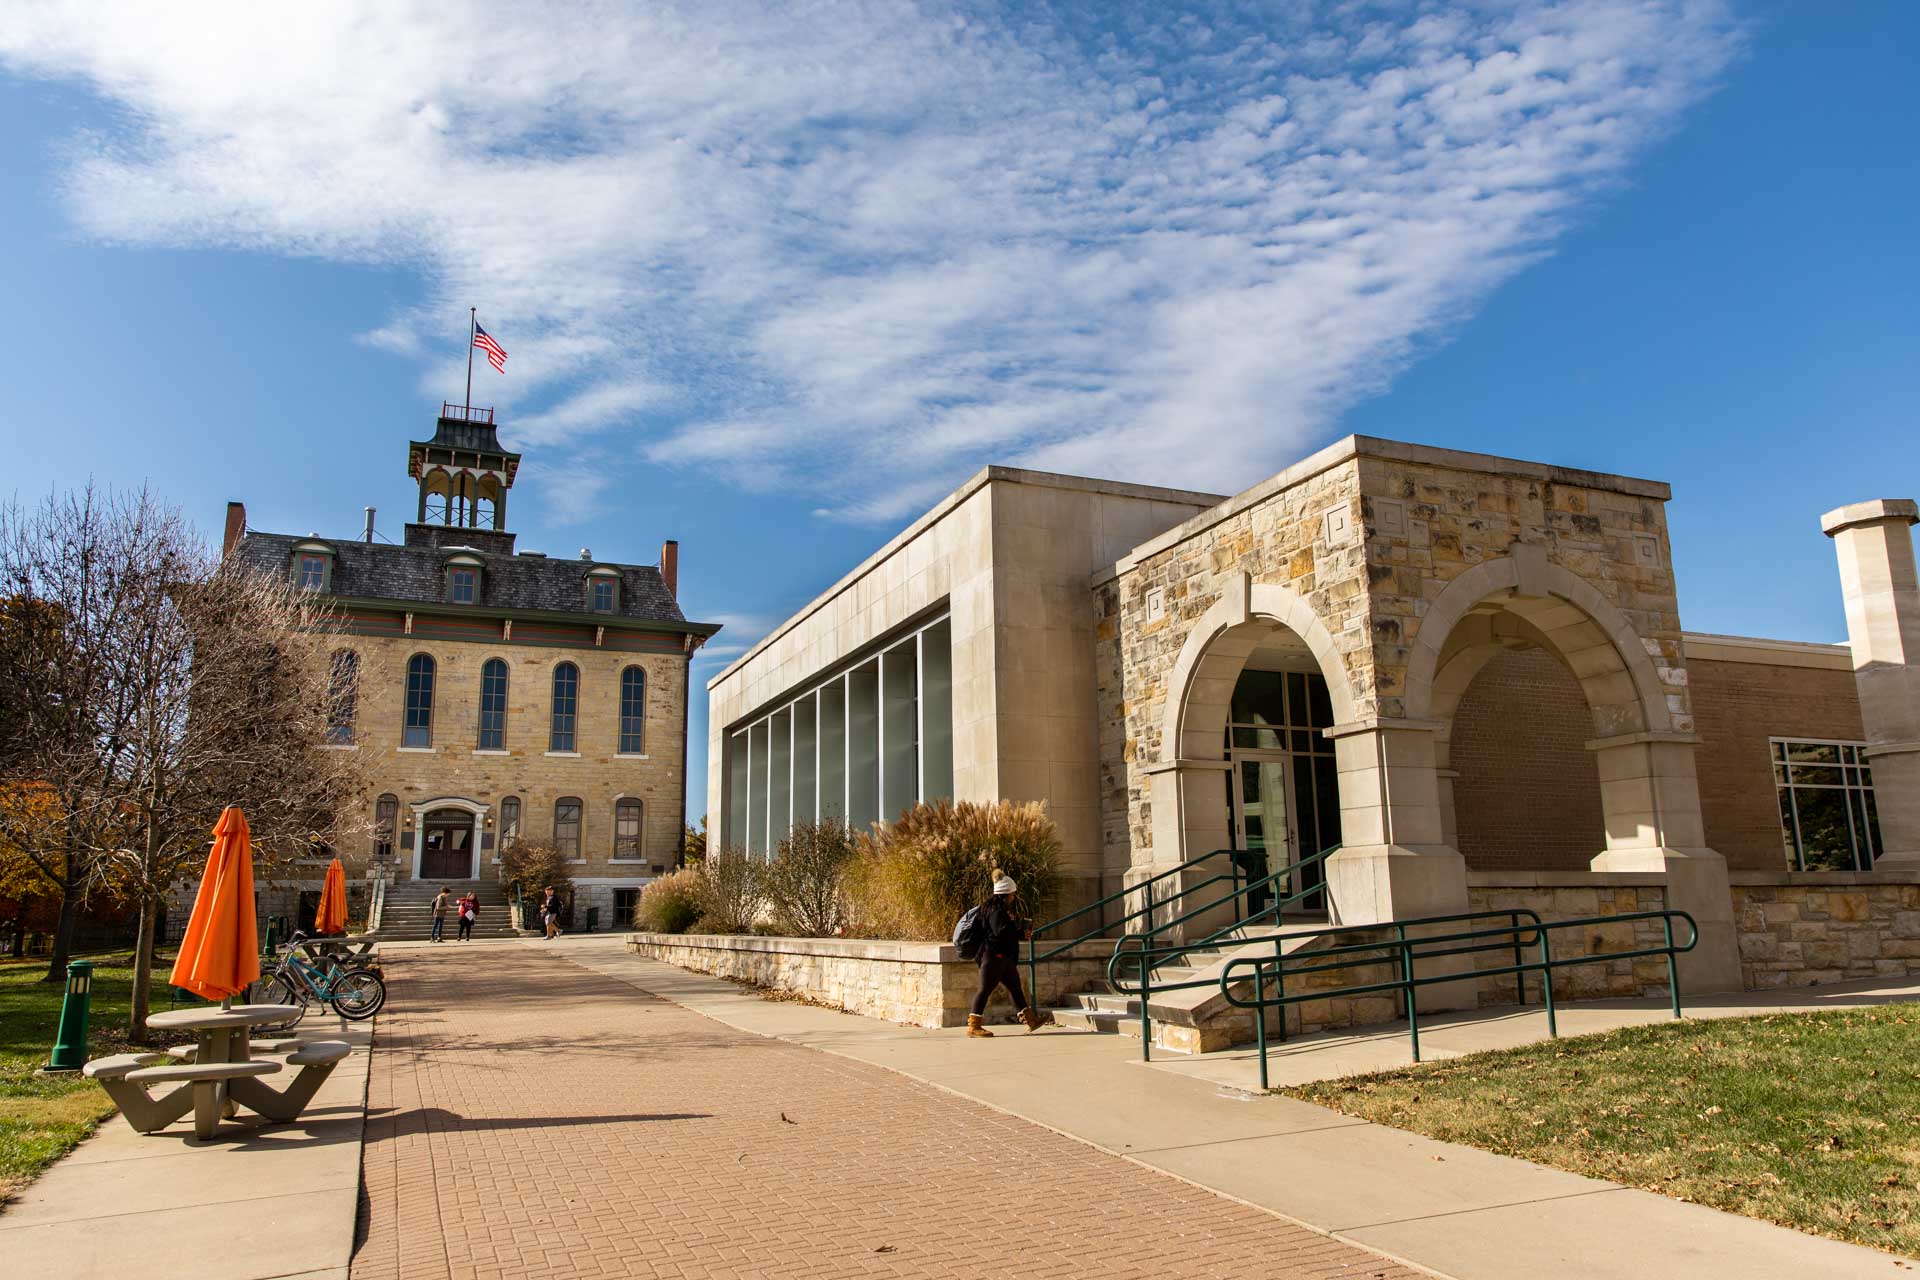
(358, 994)
(276, 989)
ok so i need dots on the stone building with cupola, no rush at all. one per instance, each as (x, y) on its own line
(502, 693)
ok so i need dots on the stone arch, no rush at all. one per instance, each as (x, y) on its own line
(477, 811)
(1544, 604)
(1201, 686)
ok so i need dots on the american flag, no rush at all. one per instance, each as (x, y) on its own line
(496, 354)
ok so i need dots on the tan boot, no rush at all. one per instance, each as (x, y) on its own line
(975, 1027)
(1035, 1019)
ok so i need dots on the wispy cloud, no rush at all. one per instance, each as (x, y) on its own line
(808, 243)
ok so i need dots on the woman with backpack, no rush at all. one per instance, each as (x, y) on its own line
(999, 926)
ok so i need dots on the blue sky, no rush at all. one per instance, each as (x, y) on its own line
(774, 278)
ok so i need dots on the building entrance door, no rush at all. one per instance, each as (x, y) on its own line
(1267, 785)
(446, 850)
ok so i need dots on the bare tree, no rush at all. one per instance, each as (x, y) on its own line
(211, 686)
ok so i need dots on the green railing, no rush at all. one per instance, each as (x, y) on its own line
(1407, 952)
(1152, 901)
(1140, 946)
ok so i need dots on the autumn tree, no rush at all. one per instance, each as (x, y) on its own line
(211, 686)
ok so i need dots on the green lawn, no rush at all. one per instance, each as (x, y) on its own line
(1808, 1120)
(44, 1117)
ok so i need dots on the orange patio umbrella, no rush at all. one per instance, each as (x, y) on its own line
(220, 956)
(332, 916)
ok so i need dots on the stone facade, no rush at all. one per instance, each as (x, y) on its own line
(1814, 928)
(917, 984)
(1580, 896)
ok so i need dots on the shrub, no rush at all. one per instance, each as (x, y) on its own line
(805, 880)
(670, 904)
(536, 864)
(912, 878)
(733, 891)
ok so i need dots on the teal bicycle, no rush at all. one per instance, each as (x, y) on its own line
(350, 990)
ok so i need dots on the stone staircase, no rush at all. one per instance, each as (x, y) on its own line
(1193, 1019)
(408, 914)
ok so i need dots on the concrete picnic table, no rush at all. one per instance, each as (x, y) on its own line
(222, 1070)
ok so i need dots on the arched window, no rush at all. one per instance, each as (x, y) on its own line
(566, 825)
(626, 829)
(419, 726)
(633, 711)
(386, 813)
(566, 702)
(493, 705)
(343, 696)
(509, 821)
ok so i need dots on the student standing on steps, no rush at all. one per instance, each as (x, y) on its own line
(1002, 926)
(440, 902)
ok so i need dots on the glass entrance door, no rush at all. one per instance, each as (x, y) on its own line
(1262, 827)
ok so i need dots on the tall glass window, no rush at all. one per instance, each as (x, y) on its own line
(566, 702)
(1828, 821)
(343, 696)
(418, 731)
(493, 705)
(509, 821)
(633, 711)
(566, 825)
(386, 814)
(861, 747)
(626, 829)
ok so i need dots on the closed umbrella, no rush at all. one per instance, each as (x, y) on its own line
(332, 916)
(220, 956)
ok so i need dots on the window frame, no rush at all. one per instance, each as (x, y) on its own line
(343, 692)
(386, 815)
(499, 731)
(602, 577)
(622, 805)
(463, 578)
(633, 722)
(563, 740)
(577, 852)
(1855, 785)
(408, 704)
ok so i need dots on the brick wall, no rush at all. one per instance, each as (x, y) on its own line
(1528, 792)
(1737, 706)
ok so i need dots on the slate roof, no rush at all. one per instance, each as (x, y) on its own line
(383, 571)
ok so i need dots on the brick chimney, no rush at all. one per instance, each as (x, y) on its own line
(670, 566)
(236, 525)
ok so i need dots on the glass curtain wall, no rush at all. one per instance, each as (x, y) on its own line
(868, 743)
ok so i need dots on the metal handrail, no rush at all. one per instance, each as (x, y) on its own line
(1409, 950)
(1267, 882)
(1144, 887)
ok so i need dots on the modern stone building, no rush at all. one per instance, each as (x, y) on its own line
(502, 693)
(1469, 673)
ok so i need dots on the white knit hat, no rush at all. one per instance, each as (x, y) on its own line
(1004, 884)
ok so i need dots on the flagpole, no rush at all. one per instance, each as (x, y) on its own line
(473, 322)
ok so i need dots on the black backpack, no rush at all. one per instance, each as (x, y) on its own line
(969, 934)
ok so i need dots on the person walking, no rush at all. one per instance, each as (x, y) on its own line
(550, 912)
(440, 903)
(469, 912)
(1003, 926)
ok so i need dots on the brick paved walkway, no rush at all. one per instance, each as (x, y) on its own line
(528, 1117)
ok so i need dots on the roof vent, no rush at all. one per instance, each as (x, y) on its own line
(586, 553)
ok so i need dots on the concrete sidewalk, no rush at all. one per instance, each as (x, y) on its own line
(261, 1200)
(1454, 1210)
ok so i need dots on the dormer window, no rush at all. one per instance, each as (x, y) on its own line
(312, 566)
(463, 579)
(603, 591)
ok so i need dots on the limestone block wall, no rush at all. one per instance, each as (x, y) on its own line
(1812, 928)
(920, 984)
(1577, 896)
(596, 772)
